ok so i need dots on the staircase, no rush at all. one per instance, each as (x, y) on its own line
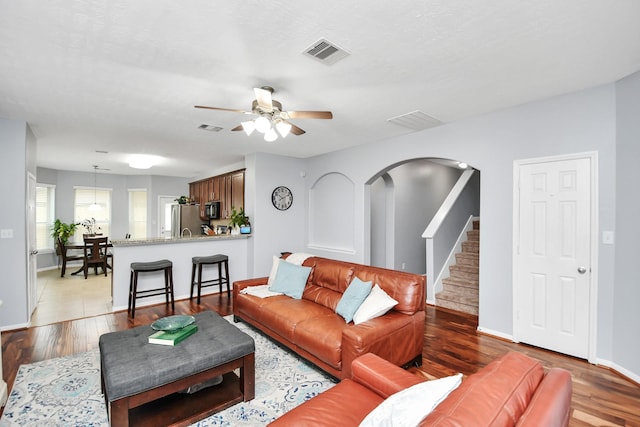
(460, 289)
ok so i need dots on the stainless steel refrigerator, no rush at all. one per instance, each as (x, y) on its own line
(185, 216)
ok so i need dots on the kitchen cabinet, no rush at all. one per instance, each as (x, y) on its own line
(227, 188)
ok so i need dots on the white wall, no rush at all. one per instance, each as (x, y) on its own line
(626, 298)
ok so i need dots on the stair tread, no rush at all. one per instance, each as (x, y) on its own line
(458, 281)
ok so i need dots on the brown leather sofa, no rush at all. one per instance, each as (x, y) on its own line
(513, 390)
(311, 327)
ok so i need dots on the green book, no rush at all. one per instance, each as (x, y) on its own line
(172, 337)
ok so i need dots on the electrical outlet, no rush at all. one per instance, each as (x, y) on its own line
(403, 265)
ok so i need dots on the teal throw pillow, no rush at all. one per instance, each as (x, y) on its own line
(352, 298)
(290, 279)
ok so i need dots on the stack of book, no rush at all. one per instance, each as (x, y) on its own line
(173, 337)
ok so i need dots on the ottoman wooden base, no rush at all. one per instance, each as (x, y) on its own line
(163, 406)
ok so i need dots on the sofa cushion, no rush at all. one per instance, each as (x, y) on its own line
(352, 298)
(290, 279)
(408, 407)
(376, 304)
(271, 315)
(497, 395)
(322, 337)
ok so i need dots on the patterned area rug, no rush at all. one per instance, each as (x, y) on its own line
(66, 391)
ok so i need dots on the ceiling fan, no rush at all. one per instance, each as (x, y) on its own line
(271, 116)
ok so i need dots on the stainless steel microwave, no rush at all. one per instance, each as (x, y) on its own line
(212, 210)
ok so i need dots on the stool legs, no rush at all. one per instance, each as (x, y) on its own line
(135, 294)
(199, 283)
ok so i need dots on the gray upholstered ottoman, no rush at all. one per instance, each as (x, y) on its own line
(141, 381)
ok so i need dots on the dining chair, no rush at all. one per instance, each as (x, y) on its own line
(67, 254)
(95, 254)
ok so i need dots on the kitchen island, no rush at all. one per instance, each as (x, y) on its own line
(179, 251)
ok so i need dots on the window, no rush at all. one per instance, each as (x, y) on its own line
(138, 213)
(45, 207)
(85, 197)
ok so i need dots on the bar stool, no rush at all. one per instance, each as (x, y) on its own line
(145, 267)
(199, 261)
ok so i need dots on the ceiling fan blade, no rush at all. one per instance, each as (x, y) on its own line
(239, 127)
(295, 129)
(233, 110)
(310, 114)
(264, 98)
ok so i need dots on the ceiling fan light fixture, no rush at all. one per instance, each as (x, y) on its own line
(283, 128)
(270, 135)
(262, 124)
(248, 127)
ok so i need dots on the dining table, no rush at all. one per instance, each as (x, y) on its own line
(80, 246)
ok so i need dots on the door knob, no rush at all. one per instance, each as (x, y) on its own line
(582, 270)
(34, 252)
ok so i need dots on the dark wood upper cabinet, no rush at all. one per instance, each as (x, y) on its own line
(227, 188)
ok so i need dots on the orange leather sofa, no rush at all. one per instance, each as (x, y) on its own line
(311, 327)
(513, 390)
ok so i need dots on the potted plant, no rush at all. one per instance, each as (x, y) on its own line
(90, 226)
(62, 231)
(182, 200)
(237, 220)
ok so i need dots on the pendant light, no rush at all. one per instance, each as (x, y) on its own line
(95, 206)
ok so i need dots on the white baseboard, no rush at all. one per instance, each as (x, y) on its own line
(496, 334)
(619, 369)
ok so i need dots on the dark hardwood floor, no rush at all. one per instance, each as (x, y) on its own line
(600, 396)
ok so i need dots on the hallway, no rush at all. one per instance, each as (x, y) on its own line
(70, 297)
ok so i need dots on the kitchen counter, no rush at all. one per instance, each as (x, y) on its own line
(170, 240)
(179, 251)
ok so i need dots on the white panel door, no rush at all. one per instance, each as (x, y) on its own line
(553, 274)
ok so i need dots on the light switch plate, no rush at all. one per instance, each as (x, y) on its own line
(607, 238)
(6, 233)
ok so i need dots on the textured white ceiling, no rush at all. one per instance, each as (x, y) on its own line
(123, 76)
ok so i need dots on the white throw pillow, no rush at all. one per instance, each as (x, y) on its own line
(274, 270)
(376, 304)
(408, 407)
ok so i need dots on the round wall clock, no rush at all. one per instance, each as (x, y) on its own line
(282, 198)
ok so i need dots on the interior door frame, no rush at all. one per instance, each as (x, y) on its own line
(593, 279)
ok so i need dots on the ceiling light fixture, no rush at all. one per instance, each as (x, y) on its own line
(141, 161)
(95, 206)
(462, 165)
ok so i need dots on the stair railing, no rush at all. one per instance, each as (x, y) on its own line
(445, 233)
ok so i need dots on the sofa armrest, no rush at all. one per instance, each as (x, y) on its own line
(382, 377)
(550, 406)
(241, 284)
(395, 337)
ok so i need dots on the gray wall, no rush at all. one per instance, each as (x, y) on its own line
(414, 190)
(573, 123)
(65, 181)
(626, 317)
(13, 251)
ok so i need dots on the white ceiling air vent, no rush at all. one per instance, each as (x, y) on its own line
(416, 120)
(210, 128)
(326, 52)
